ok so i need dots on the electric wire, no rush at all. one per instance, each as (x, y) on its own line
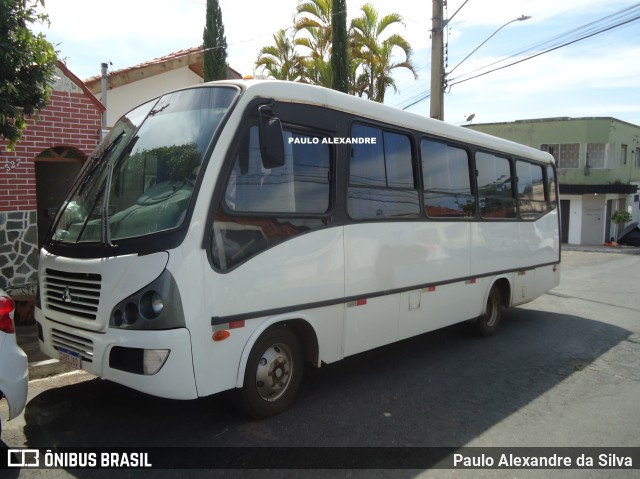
(584, 32)
(573, 36)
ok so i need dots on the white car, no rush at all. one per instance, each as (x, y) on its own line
(14, 369)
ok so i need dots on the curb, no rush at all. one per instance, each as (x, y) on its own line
(47, 368)
(603, 249)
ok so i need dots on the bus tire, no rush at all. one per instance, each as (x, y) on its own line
(488, 322)
(273, 374)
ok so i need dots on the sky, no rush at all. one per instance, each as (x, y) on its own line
(599, 76)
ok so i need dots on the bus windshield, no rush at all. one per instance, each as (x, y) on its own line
(140, 179)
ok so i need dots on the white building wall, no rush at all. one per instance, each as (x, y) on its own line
(575, 218)
(593, 219)
(122, 99)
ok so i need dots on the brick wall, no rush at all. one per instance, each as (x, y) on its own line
(72, 119)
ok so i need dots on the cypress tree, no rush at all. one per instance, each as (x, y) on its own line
(339, 57)
(215, 44)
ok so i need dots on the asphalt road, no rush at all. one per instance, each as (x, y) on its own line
(561, 371)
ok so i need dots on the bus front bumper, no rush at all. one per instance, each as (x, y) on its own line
(153, 362)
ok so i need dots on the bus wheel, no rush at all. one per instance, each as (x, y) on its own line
(488, 322)
(273, 374)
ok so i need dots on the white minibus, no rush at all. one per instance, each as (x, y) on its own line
(224, 235)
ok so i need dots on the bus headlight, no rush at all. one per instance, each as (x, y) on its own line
(156, 306)
(151, 304)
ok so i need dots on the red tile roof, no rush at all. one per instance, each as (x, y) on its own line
(191, 57)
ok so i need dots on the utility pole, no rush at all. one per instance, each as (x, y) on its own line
(437, 61)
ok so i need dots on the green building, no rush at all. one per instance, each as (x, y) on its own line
(598, 162)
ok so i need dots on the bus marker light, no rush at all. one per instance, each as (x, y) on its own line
(153, 360)
(431, 289)
(220, 335)
(236, 324)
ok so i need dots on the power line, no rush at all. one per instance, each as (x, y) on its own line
(551, 49)
(573, 36)
(584, 32)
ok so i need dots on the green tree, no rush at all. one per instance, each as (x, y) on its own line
(280, 61)
(215, 44)
(370, 54)
(314, 17)
(377, 55)
(339, 40)
(27, 66)
(621, 217)
(314, 33)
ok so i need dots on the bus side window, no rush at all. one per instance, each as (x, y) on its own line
(381, 181)
(495, 187)
(447, 184)
(551, 188)
(531, 196)
(259, 202)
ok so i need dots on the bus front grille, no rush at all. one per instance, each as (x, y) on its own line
(77, 294)
(73, 343)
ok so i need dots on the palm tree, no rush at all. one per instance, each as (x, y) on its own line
(371, 59)
(314, 17)
(280, 61)
(377, 54)
(386, 65)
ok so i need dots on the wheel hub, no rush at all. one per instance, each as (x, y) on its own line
(274, 372)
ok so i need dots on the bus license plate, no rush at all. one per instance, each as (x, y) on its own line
(70, 358)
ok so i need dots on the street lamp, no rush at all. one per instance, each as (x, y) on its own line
(438, 75)
(521, 18)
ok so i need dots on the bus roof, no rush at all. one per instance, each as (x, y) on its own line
(287, 91)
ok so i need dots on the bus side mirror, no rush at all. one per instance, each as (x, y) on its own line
(271, 141)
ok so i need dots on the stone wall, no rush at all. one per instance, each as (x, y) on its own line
(18, 252)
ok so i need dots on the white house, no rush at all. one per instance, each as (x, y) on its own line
(132, 86)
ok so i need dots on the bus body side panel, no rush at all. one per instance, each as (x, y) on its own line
(539, 245)
(494, 247)
(389, 256)
(539, 241)
(296, 274)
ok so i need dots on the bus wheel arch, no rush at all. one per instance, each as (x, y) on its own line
(272, 367)
(272, 374)
(498, 298)
(308, 339)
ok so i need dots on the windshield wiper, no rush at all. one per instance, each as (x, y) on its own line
(97, 160)
(105, 231)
